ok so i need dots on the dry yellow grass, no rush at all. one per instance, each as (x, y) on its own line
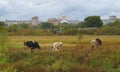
(68, 41)
(76, 56)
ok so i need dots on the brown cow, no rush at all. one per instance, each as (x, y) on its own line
(95, 43)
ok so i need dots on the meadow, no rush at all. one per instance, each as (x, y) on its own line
(74, 56)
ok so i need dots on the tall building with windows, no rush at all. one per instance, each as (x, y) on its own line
(55, 21)
(34, 20)
(112, 18)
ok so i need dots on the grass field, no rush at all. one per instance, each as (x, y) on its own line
(75, 55)
(67, 40)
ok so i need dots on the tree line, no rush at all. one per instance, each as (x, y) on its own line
(91, 25)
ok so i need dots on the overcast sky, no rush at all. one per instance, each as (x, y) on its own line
(44, 9)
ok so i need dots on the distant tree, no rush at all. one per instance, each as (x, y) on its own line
(109, 30)
(65, 26)
(2, 26)
(12, 28)
(46, 25)
(24, 26)
(93, 21)
(109, 24)
(2, 23)
(64, 23)
(116, 23)
(82, 24)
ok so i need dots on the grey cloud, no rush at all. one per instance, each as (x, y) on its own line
(73, 9)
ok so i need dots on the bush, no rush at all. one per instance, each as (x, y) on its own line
(107, 30)
(3, 39)
(87, 31)
(70, 32)
(3, 44)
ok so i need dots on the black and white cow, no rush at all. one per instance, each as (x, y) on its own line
(32, 45)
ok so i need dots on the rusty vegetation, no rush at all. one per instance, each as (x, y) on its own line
(74, 56)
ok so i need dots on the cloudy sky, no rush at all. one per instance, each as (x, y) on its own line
(44, 9)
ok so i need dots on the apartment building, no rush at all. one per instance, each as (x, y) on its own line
(33, 21)
(55, 21)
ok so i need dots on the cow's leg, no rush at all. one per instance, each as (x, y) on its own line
(56, 48)
(32, 49)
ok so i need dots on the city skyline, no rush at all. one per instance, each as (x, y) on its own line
(44, 9)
